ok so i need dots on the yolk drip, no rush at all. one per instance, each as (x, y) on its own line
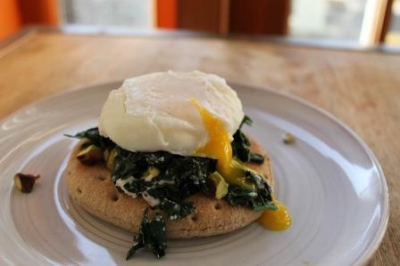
(277, 220)
(219, 147)
(219, 144)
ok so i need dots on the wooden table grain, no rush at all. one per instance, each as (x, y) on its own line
(360, 88)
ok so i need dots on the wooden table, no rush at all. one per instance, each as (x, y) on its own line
(360, 88)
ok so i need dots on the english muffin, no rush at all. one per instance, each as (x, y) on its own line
(91, 187)
(169, 159)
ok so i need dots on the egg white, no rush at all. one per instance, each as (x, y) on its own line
(154, 112)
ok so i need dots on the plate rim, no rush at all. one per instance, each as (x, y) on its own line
(372, 247)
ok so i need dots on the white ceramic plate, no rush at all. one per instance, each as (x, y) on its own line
(329, 179)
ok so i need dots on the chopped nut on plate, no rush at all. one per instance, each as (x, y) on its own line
(289, 138)
(90, 155)
(25, 182)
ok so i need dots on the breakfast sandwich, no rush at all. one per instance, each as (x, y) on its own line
(169, 159)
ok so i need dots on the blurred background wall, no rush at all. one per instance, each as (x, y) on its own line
(357, 22)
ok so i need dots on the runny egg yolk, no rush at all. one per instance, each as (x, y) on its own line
(277, 220)
(219, 147)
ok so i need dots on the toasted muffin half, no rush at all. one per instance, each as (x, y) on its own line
(92, 189)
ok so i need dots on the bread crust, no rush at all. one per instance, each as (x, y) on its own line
(92, 189)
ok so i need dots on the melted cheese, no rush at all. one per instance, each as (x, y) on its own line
(277, 220)
(150, 200)
(122, 182)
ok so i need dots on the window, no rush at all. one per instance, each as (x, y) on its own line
(328, 19)
(393, 35)
(353, 22)
(107, 13)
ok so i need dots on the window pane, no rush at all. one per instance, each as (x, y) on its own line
(116, 13)
(393, 36)
(328, 19)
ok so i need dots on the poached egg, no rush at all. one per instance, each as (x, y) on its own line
(160, 112)
(191, 114)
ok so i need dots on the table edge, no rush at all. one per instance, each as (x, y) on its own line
(92, 31)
